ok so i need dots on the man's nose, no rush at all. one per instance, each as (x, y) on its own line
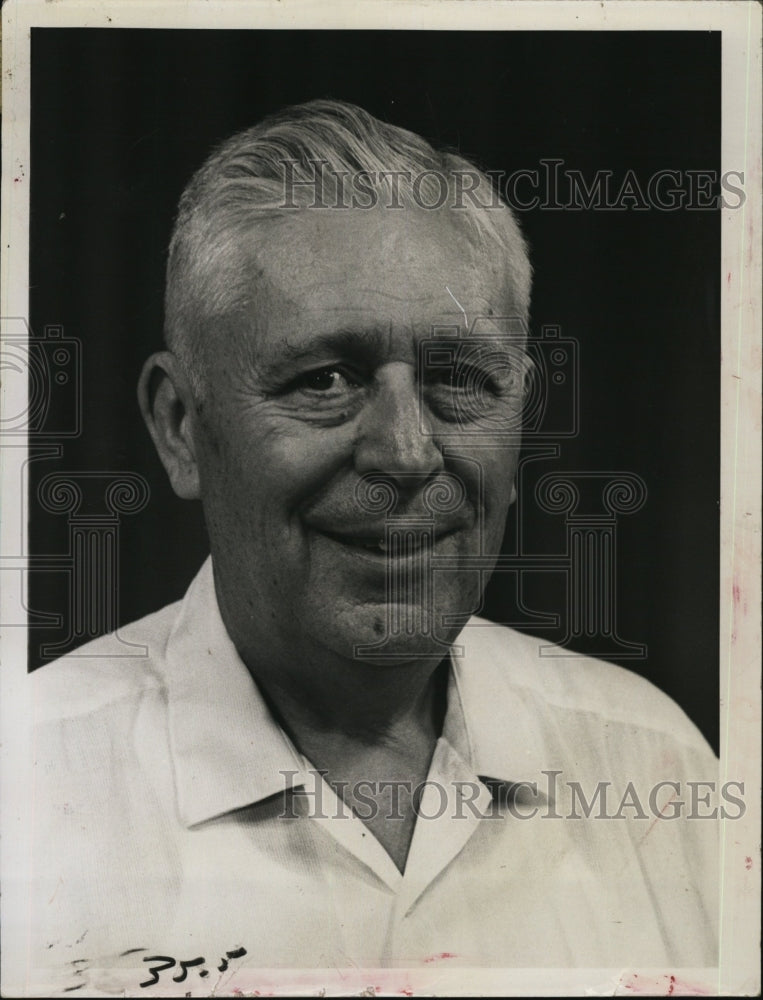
(395, 436)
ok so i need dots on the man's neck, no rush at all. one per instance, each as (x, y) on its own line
(373, 733)
(357, 704)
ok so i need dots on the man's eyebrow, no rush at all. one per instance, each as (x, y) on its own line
(355, 343)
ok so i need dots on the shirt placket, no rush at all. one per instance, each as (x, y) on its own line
(451, 803)
(450, 811)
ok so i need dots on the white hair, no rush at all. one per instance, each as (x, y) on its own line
(269, 171)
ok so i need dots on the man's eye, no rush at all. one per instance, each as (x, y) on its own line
(326, 381)
(464, 378)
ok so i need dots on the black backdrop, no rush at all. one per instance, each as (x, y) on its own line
(120, 118)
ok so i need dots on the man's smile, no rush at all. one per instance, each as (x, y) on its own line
(405, 540)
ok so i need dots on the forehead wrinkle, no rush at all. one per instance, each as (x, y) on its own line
(423, 297)
(446, 307)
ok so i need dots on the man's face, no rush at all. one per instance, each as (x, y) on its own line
(323, 385)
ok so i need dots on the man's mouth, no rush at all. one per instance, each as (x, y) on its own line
(394, 544)
(362, 542)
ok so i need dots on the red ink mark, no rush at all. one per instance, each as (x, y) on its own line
(406, 991)
(736, 593)
(728, 278)
(59, 883)
(656, 819)
(694, 989)
(662, 986)
(437, 958)
(748, 863)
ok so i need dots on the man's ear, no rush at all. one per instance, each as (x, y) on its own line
(166, 402)
(513, 493)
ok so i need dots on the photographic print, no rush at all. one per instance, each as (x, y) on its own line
(380, 525)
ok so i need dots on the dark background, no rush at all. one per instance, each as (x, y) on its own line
(120, 119)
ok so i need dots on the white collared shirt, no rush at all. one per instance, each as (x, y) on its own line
(164, 826)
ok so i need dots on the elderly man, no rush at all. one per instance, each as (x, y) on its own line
(316, 764)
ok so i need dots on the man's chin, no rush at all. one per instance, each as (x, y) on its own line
(389, 635)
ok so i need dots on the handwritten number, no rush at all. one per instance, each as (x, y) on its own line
(167, 963)
(236, 953)
(80, 966)
(185, 966)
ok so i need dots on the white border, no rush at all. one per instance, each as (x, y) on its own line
(740, 23)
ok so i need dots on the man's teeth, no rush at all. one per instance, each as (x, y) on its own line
(374, 546)
(399, 547)
(382, 545)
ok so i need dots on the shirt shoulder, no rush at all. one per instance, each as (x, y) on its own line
(579, 685)
(107, 671)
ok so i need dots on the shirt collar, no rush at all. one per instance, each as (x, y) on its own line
(493, 718)
(229, 752)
